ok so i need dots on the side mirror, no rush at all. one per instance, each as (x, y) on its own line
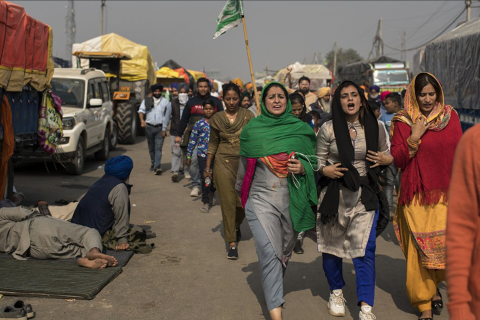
(95, 103)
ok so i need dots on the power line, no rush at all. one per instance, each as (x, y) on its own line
(428, 20)
(439, 34)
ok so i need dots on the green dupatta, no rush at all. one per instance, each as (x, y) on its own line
(267, 135)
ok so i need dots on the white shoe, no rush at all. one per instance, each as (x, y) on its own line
(336, 304)
(195, 192)
(187, 174)
(366, 313)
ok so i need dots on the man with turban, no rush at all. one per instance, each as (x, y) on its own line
(154, 113)
(238, 82)
(106, 205)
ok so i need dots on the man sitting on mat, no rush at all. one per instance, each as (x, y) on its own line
(106, 205)
(27, 233)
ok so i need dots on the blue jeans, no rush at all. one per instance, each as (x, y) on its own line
(206, 191)
(155, 144)
(177, 155)
(195, 170)
(364, 269)
(391, 177)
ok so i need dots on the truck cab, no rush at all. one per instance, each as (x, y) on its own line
(88, 126)
(393, 77)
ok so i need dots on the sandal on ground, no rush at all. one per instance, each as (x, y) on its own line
(205, 209)
(437, 305)
(8, 313)
(19, 304)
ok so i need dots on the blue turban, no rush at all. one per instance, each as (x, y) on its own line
(376, 88)
(174, 85)
(119, 167)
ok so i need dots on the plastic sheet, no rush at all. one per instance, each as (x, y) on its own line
(141, 66)
(454, 59)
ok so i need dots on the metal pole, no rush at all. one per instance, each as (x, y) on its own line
(335, 60)
(101, 18)
(380, 40)
(469, 4)
(251, 67)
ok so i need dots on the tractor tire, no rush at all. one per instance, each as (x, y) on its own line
(126, 119)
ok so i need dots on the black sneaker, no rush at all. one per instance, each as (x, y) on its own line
(239, 234)
(232, 253)
(298, 248)
(158, 172)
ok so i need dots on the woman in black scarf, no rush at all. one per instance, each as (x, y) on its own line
(299, 109)
(349, 200)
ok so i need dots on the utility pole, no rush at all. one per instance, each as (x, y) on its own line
(468, 3)
(70, 29)
(403, 54)
(379, 39)
(102, 6)
(335, 60)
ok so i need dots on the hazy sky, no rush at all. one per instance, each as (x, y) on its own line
(280, 32)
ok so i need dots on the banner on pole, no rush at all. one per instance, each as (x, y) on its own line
(230, 17)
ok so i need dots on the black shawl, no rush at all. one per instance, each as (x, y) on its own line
(351, 179)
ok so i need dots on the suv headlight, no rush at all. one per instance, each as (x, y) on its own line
(68, 123)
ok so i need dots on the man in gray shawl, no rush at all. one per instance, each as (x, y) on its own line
(27, 233)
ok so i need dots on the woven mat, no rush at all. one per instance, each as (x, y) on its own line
(53, 279)
(123, 257)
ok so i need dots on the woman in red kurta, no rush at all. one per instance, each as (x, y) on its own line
(425, 135)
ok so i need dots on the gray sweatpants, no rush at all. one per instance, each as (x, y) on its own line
(271, 267)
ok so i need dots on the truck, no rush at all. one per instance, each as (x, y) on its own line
(387, 73)
(26, 68)
(130, 70)
(453, 59)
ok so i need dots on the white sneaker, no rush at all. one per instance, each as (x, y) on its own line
(366, 313)
(336, 303)
(187, 174)
(195, 192)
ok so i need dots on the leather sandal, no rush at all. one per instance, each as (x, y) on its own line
(437, 305)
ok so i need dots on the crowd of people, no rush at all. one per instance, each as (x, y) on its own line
(327, 162)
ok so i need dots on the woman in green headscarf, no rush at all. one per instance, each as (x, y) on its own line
(276, 190)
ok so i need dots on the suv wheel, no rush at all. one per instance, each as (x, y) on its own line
(78, 162)
(103, 153)
(114, 136)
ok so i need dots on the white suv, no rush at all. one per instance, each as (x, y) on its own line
(88, 126)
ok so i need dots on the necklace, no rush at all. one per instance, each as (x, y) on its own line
(230, 117)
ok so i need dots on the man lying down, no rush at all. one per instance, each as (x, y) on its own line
(27, 233)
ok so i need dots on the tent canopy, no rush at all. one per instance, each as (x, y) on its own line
(141, 66)
(317, 73)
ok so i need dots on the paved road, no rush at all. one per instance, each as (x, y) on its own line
(188, 276)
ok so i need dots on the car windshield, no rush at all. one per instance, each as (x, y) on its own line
(71, 91)
(390, 77)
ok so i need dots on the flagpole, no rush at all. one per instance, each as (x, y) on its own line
(251, 68)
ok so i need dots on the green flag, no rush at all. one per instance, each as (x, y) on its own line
(230, 17)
